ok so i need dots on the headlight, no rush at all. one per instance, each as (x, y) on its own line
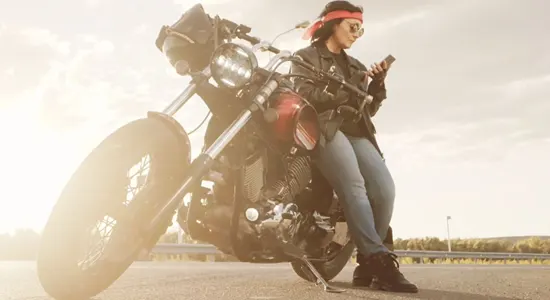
(232, 65)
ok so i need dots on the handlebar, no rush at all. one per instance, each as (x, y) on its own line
(326, 75)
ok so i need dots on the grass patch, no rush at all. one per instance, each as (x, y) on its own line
(468, 261)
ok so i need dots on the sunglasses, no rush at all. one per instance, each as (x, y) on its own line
(356, 28)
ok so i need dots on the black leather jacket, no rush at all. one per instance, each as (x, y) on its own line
(326, 104)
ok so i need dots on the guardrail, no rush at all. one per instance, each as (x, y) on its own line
(211, 250)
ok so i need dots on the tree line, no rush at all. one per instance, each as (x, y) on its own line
(525, 245)
(23, 244)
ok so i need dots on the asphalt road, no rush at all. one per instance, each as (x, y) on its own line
(220, 281)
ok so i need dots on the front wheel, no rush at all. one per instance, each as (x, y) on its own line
(92, 234)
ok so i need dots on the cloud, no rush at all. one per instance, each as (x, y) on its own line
(73, 91)
(39, 36)
(520, 87)
(93, 3)
(522, 99)
(82, 82)
(465, 62)
(26, 55)
(483, 142)
(382, 27)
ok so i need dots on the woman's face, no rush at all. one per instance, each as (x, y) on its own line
(347, 32)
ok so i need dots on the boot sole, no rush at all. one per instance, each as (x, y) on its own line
(389, 288)
(361, 284)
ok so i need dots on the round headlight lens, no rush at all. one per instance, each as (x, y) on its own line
(232, 65)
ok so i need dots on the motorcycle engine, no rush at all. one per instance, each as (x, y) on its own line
(269, 187)
(283, 220)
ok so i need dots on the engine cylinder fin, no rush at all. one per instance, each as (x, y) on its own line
(254, 179)
(298, 175)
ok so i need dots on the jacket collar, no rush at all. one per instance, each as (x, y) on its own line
(326, 54)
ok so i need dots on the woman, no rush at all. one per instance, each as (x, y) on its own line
(350, 159)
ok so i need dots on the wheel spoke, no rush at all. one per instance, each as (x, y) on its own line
(118, 211)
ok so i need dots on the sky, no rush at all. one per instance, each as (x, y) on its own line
(463, 130)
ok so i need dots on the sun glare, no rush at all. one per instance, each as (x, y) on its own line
(36, 166)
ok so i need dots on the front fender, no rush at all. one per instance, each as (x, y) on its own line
(176, 128)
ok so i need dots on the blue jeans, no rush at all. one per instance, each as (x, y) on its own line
(364, 186)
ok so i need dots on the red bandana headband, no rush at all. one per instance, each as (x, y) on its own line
(338, 14)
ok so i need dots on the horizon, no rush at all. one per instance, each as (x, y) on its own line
(172, 230)
(463, 130)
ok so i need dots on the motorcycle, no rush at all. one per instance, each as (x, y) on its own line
(259, 146)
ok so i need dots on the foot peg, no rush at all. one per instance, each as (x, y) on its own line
(320, 280)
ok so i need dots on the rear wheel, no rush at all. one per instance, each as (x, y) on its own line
(97, 208)
(338, 260)
(338, 257)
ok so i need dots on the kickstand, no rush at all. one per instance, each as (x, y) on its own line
(320, 280)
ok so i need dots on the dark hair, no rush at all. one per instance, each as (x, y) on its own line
(325, 31)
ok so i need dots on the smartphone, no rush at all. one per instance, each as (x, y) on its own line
(389, 59)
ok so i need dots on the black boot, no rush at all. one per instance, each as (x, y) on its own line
(362, 275)
(387, 276)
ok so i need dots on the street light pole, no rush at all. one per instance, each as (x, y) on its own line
(448, 234)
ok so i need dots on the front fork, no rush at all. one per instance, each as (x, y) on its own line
(203, 163)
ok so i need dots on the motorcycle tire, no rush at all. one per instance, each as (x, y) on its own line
(91, 189)
(328, 269)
